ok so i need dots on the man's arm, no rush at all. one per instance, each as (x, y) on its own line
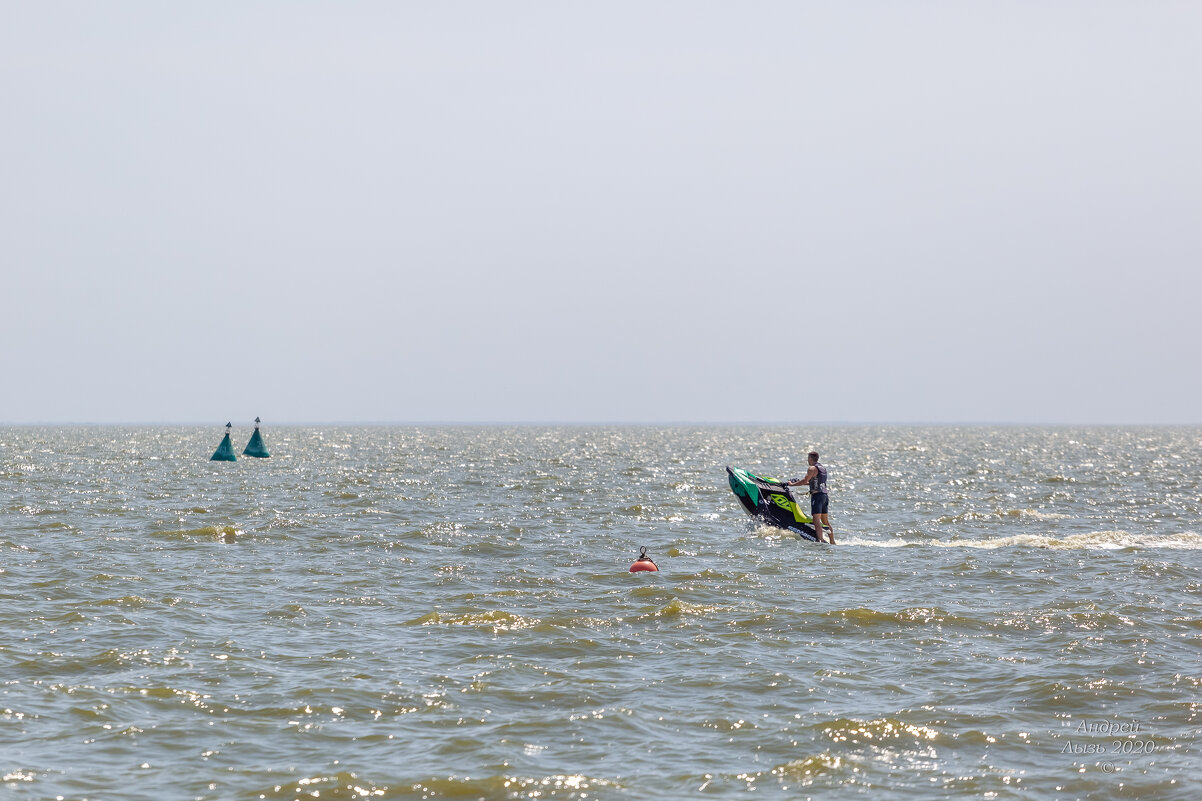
(813, 471)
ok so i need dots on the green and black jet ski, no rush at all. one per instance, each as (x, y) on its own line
(770, 501)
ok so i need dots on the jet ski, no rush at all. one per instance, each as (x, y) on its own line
(770, 501)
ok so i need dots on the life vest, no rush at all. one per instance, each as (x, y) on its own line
(818, 482)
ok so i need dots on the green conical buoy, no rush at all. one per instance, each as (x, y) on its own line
(225, 451)
(255, 447)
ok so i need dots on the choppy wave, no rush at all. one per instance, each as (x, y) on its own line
(863, 617)
(495, 619)
(1098, 540)
(877, 730)
(204, 532)
(349, 786)
(1002, 514)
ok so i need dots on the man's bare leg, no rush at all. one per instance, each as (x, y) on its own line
(822, 521)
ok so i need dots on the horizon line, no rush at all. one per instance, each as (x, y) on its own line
(585, 423)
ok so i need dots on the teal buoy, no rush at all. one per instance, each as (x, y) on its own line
(255, 447)
(225, 451)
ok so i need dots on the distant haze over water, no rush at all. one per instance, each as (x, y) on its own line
(620, 211)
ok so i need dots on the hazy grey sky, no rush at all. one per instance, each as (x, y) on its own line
(618, 211)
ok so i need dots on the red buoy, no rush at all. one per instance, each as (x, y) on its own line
(643, 564)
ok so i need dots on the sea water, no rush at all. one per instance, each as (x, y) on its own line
(447, 612)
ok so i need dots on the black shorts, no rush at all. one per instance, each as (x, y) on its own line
(819, 501)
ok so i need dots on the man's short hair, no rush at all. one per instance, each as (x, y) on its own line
(814, 455)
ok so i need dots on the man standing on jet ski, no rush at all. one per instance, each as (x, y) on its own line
(819, 501)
